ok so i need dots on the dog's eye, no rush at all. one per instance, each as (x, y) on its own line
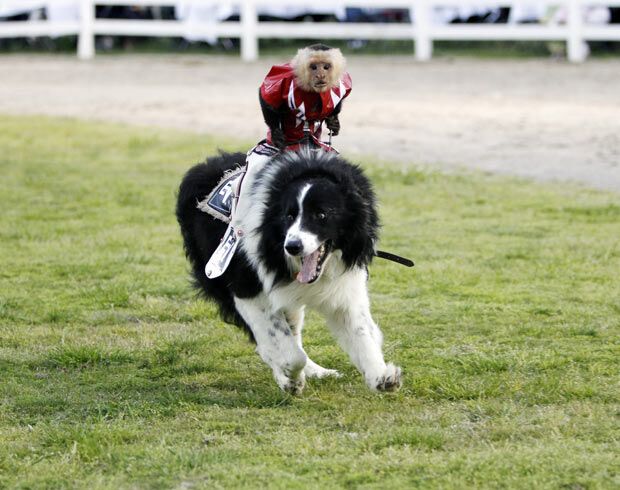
(290, 217)
(321, 216)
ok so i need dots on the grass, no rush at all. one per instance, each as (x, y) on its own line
(113, 375)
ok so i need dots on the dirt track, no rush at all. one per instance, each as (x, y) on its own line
(538, 119)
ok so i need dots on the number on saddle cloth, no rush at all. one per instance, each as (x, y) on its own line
(221, 201)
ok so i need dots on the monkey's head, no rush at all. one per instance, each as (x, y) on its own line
(318, 67)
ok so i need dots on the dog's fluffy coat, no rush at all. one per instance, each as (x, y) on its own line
(308, 226)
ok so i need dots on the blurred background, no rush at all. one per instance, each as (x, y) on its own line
(520, 88)
(198, 24)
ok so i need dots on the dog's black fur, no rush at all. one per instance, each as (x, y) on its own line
(343, 191)
(202, 234)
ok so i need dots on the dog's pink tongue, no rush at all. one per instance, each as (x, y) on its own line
(308, 267)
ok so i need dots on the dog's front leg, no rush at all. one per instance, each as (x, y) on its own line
(275, 343)
(351, 323)
(361, 338)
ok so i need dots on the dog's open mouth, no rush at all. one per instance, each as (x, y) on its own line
(312, 264)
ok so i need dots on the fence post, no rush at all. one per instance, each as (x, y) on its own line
(575, 48)
(249, 21)
(86, 37)
(423, 40)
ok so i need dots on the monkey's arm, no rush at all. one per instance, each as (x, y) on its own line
(273, 119)
(332, 121)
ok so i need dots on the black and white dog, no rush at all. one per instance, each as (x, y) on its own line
(307, 225)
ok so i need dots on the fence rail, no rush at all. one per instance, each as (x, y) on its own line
(422, 30)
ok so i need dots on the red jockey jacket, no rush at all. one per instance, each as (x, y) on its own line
(280, 88)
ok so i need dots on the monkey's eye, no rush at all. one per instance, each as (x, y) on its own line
(327, 66)
(313, 66)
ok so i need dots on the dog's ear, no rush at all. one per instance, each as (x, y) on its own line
(361, 226)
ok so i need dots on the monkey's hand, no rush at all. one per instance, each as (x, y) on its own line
(333, 124)
(277, 138)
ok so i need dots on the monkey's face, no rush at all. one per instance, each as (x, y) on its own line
(318, 70)
(320, 74)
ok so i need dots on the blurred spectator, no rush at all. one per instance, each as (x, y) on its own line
(475, 15)
(376, 15)
(373, 15)
(119, 12)
(527, 13)
(22, 10)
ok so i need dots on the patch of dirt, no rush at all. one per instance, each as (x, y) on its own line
(538, 119)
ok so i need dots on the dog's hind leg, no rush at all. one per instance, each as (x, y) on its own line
(312, 370)
(275, 342)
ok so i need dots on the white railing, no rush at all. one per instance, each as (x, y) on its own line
(423, 31)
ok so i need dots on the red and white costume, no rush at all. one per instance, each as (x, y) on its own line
(300, 109)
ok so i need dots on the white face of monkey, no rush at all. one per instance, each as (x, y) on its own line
(318, 70)
(320, 74)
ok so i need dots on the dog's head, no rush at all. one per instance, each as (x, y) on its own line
(320, 207)
(313, 213)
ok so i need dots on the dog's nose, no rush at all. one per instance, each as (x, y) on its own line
(293, 246)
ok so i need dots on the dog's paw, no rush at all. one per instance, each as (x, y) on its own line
(313, 370)
(294, 386)
(389, 380)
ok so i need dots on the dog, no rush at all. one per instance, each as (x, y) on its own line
(307, 227)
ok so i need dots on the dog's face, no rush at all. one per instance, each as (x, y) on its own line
(312, 217)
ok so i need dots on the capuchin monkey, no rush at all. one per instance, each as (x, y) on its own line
(308, 89)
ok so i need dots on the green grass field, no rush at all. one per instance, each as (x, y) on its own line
(113, 375)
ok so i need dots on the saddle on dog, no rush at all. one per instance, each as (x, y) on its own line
(221, 204)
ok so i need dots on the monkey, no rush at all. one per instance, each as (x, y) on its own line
(296, 98)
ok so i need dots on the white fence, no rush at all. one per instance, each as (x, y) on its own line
(423, 31)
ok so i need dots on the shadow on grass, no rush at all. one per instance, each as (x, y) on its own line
(87, 383)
